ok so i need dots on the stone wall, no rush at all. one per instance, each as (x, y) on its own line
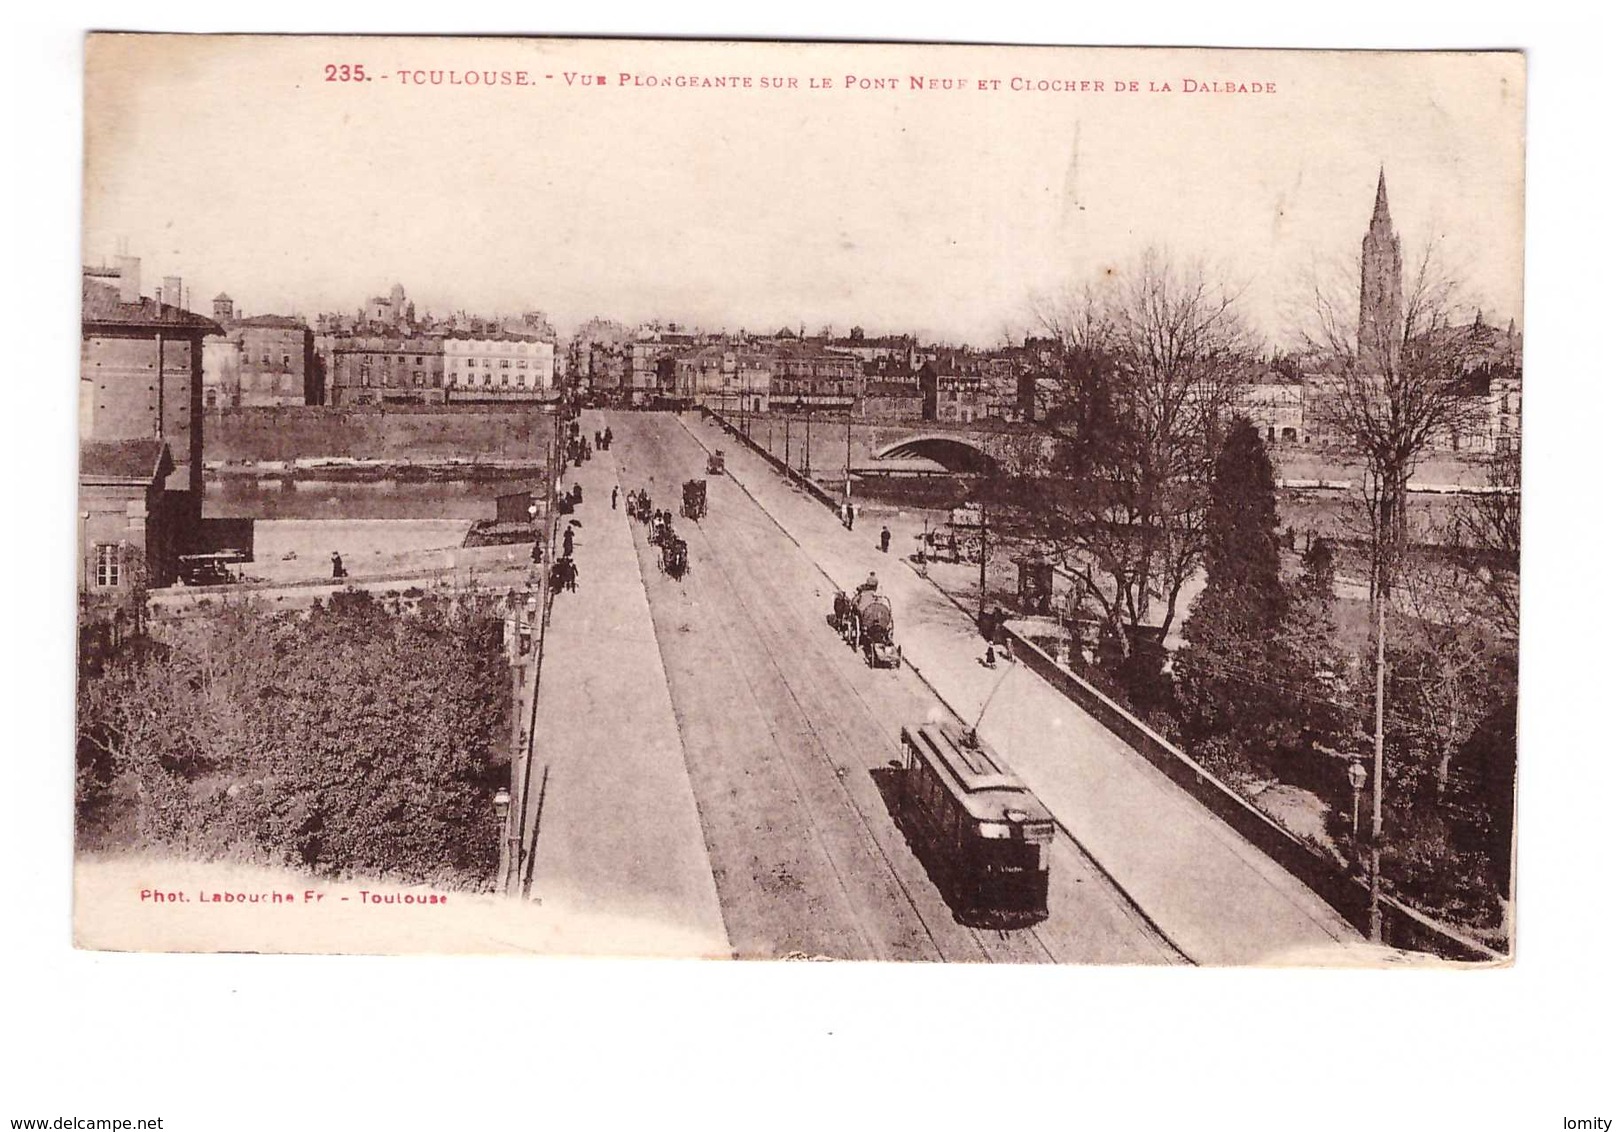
(419, 433)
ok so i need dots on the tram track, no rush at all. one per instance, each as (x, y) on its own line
(851, 713)
(781, 872)
(785, 770)
(827, 724)
(1099, 882)
(770, 611)
(912, 922)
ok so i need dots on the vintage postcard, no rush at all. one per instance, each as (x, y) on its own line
(799, 500)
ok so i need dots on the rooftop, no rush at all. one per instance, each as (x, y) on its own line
(100, 305)
(271, 322)
(132, 460)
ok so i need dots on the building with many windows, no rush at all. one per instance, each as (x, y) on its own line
(497, 367)
(811, 377)
(952, 394)
(377, 371)
(260, 361)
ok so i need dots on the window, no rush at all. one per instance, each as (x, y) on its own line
(504, 379)
(487, 365)
(522, 364)
(487, 380)
(416, 377)
(505, 364)
(470, 363)
(108, 563)
(419, 360)
(287, 360)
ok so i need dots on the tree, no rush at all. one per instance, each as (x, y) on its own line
(1152, 362)
(1395, 388)
(1487, 531)
(1241, 522)
(1230, 681)
(354, 738)
(1318, 565)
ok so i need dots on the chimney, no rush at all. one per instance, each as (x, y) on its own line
(129, 279)
(171, 291)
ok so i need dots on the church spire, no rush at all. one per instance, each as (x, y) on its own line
(1379, 323)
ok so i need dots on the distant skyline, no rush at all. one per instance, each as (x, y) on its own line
(230, 162)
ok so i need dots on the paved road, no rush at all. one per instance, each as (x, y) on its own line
(788, 740)
(1219, 898)
(615, 831)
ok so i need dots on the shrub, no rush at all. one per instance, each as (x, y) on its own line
(351, 739)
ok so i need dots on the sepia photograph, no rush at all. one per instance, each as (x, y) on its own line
(799, 501)
(810, 567)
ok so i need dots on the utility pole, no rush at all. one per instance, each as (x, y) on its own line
(1377, 814)
(848, 414)
(982, 564)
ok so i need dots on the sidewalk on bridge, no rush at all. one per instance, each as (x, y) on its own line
(1219, 898)
(618, 831)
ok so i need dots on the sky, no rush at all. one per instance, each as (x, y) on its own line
(234, 164)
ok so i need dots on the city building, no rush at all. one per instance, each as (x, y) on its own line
(391, 312)
(651, 362)
(140, 431)
(130, 531)
(951, 394)
(497, 367)
(1276, 406)
(141, 370)
(265, 360)
(381, 370)
(725, 377)
(809, 376)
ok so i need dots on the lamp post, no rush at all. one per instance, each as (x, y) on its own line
(850, 412)
(805, 458)
(1357, 776)
(503, 806)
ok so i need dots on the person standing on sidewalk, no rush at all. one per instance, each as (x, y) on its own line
(614, 498)
(884, 540)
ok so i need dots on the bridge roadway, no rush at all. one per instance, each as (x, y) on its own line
(1220, 899)
(788, 739)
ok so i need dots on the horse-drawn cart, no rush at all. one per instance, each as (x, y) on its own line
(694, 499)
(673, 556)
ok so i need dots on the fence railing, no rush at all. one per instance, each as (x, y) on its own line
(1405, 927)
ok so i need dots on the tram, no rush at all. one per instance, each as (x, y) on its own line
(987, 837)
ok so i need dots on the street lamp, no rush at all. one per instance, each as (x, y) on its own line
(850, 412)
(503, 806)
(1358, 776)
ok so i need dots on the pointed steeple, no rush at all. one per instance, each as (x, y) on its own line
(1381, 220)
(1379, 322)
